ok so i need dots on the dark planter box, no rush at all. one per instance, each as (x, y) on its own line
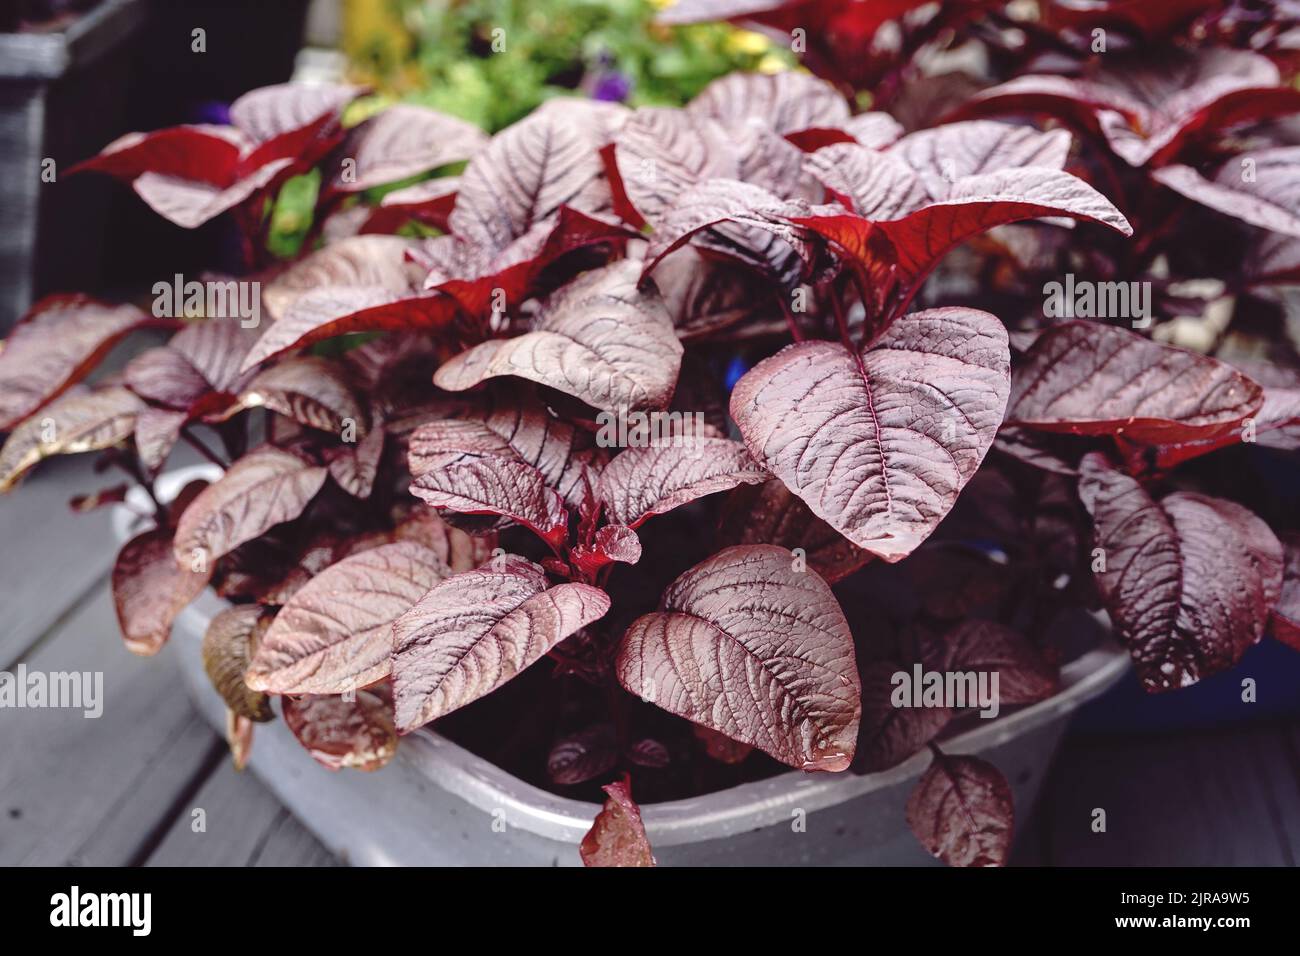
(62, 97)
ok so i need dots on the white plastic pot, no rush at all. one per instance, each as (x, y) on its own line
(437, 803)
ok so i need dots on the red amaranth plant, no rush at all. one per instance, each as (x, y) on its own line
(687, 434)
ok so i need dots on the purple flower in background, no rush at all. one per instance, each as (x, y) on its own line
(611, 86)
(211, 111)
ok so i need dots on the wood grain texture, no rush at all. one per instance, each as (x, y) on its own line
(245, 826)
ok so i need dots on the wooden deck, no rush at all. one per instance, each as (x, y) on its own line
(122, 789)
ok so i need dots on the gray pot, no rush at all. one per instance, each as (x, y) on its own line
(437, 803)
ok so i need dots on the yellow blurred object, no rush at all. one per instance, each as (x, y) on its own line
(747, 41)
(373, 33)
(772, 63)
(662, 4)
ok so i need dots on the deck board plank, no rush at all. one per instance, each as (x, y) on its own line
(74, 776)
(244, 825)
(51, 556)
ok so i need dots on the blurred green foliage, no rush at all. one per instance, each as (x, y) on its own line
(493, 61)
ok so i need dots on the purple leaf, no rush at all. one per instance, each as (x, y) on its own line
(529, 170)
(1024, 674)
(961, 810)
(749, 646)
(58, 341)
(403, 141)
(890, 734)
(335, 634)
(583, 756)
(1286, 615)
(338, 732)
(642, 482)
(477, 630)
(228, 646)
(494, 485)
(771, 514)
(1087, 378)
(1261, 188)
(76, 421)
(150, 589)
(617, 836)
(264, 488)
(1188, 580)
(599, 339)
(879, 443)
(787, 102)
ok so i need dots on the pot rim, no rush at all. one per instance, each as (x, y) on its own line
(722, 813)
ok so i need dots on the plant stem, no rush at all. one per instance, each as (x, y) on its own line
(203, 449)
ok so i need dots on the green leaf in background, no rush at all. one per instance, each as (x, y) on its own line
(291, 216)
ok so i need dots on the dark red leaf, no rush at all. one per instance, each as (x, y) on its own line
(720, 747)
(878, 444)
(753, 648)
(329, 312)
(961, 810)
(273, 111)
(1261, 188)
(662, 152)
(612, 543)
(1152, 20)
(1088, 378)
(105, 496)
(403, 141)
(496, 485)
(150, 589)
(708, 297)
(599, 339)
(1189, 580)
(313, 391)
(54, 345)
(771, 514)
(946, 154)
(77, 421)
(356, 466)
(429, 202)
(1148, 105)
(379, 262)
(649, 753)
(335, 634)
(529, 170)
(787, 102)
(228, 646)
(264, 488)
(757, 229)
(339, 732)
(1024, 674)
(1286, 615)
(477, 630)
(458, 550)
(617, 835)
(583, 756)
(643, 482)
(889, 734)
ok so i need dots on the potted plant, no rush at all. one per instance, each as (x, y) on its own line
(678, 470)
